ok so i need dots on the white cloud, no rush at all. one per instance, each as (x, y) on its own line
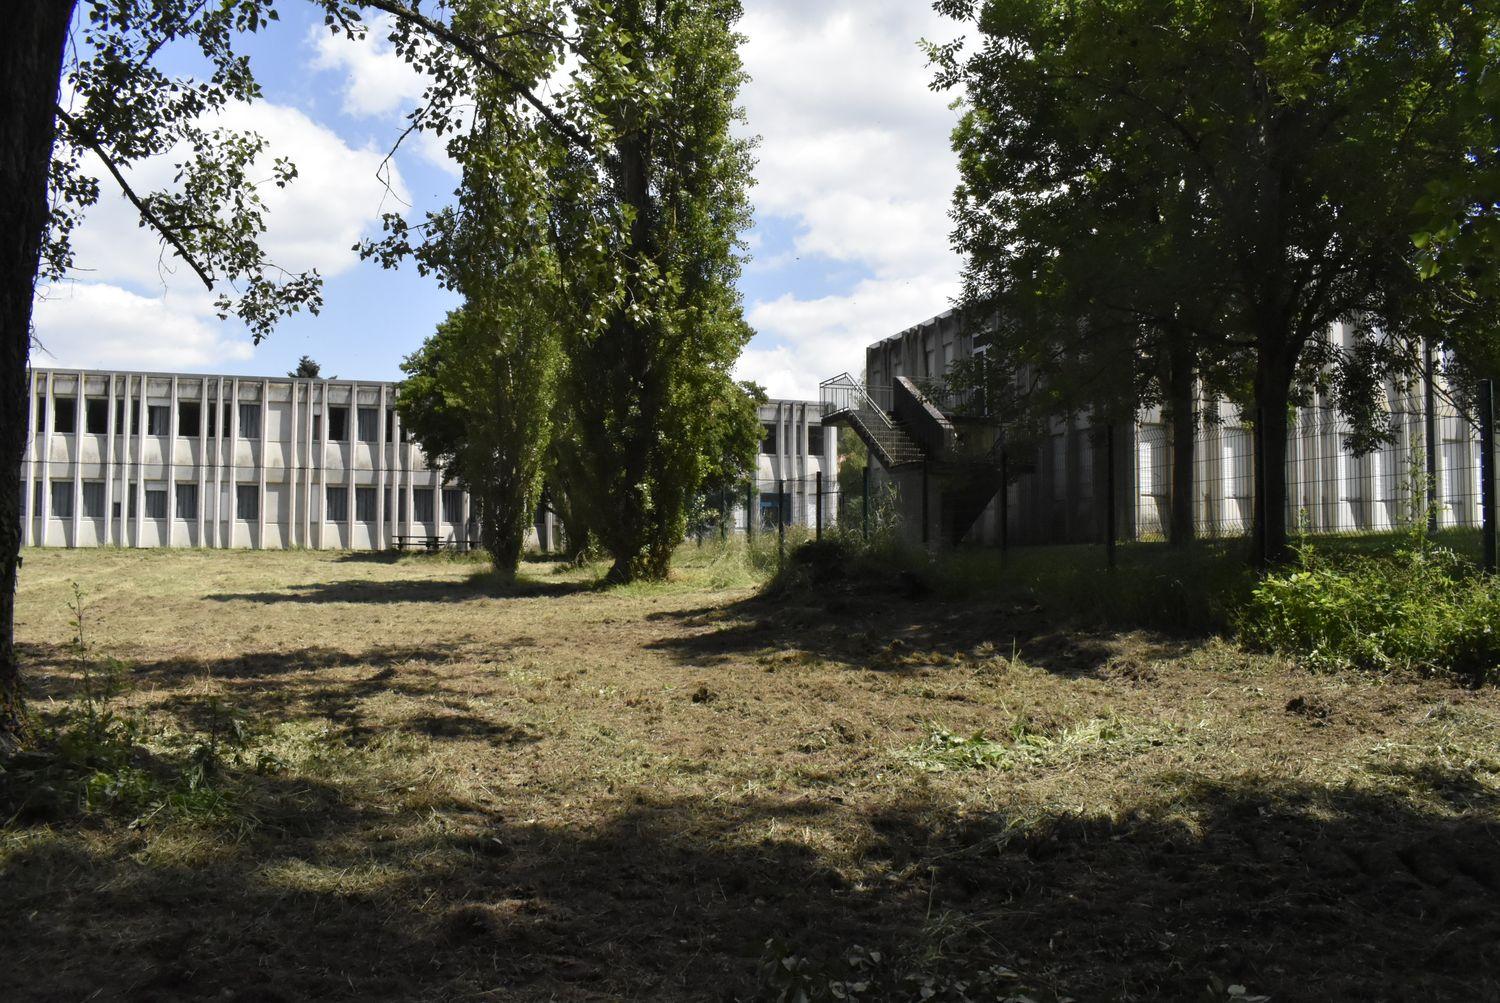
(377, 81)
(135, 305)
(95, 325)
(805, 341)
(855, 153)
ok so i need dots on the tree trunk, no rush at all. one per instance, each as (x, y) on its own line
(1273, 388)
(1184, 439)
(31, 53)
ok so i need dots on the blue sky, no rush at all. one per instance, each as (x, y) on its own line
(849, 243)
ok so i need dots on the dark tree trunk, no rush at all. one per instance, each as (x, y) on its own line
(1184, 418)
(1273, 389)
(31, 53)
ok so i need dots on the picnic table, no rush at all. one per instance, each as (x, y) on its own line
(429, 543)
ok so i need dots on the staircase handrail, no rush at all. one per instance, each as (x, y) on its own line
(857, 391)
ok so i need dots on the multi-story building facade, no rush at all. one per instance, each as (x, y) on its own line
(1056, 489)
(798, 456)
(173, 460)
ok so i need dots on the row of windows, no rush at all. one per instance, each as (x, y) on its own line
(768, 443)
(247, 502)
(191, 420)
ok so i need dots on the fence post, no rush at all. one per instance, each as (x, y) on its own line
(1004, 502)
(865, 508)
(1109, 492)
(1429, 435)
(1487, 468)
(818, 503)
(780, 522)
(1257, 472)
(925, 528)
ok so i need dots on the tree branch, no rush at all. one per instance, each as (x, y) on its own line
(471, 49)
(147, 213)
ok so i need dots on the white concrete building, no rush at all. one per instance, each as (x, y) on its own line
(172, 460)
(1057, 488)
(795, 449)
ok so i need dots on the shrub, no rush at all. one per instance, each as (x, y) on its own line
(1421, 608)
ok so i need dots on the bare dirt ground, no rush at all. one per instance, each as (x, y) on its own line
(436, 786)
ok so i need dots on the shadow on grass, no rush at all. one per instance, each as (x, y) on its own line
(1293, 890)
(868, 630)
(482, 585)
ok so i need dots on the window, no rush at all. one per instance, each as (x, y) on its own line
(1059, 468)
(401, 504)
(189, 419)
(1153, 458)
(41, 414)
(1237, 458)
(96, 416)
(317, 429)
(421, 504)
(247, 501)
(390, 424)
(36, 505)
(814, 440)
(369, 424)
(156, 503)
(135, 417)
(772, 513)
(158, 419)
(338, 424)
(453, 505)
(187, 501)
(214, 411)
(249, 421)
(62, 499)
(65, 415)
(338, 504)
(364, 504)
(768, 441)
(93, 499)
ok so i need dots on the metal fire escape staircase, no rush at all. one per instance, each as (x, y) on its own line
(907, 426)
(846, 401)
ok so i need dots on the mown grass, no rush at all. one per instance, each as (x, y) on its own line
(420, 782)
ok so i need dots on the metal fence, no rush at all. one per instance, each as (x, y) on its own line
(1428, 470)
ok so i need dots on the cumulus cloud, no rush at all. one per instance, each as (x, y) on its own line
(95, 325)
(132, 304)
(377, 81)
(855, 160)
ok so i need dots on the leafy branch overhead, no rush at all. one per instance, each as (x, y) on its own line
(121, 110)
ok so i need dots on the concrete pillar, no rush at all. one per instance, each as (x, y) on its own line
(28, 528)
(234, 466)
(45, 507)
(307, 468)
(381, 533)
(171, 461)
(108, 537)
(140, 457)
(352, 428)
(322, 463)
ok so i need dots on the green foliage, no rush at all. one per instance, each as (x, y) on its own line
(651, 247)
(1118, 161)
(1422, 608)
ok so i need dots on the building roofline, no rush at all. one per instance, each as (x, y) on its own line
(75, 370)
(946, 314)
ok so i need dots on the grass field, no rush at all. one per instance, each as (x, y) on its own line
(423, 783)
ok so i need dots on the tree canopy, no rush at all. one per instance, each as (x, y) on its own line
(1244, 173)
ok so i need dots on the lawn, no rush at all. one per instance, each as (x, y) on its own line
(358, 777)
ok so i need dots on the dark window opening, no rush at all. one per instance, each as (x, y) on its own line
(96, 416)
(338, 424)
(815, 440)
(422, 502)
(93, 499)
(369, 424)
(249, 421)
(187, 501)
(768, 441)
(364, 504)
(338, 504)
(247, 501)
(65, 415)
(158, 422)
(189, 419)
